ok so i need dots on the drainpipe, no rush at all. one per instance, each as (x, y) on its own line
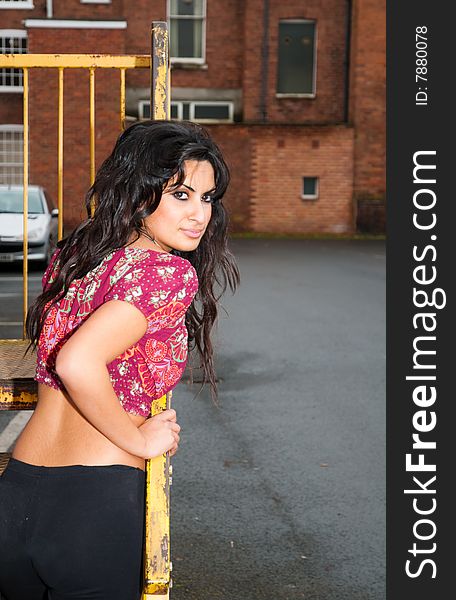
(49, 12)
(264, 62)
(348, 31)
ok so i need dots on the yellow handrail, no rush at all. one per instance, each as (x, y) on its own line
(74, 61)
(61, 62)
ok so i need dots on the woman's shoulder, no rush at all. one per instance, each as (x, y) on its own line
(159, 260)
(160, 266)
(151, 279)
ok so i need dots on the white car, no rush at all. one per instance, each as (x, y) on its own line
(42, 224)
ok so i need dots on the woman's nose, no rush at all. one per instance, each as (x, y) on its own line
(197, 209)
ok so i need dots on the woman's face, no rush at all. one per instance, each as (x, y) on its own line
(183, 214)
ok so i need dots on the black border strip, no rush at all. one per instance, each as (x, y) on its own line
(421, 248)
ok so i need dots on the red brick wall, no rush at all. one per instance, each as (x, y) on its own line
(140, 15)
(44, 115)
(368, 111)
(12, 19)
(11, 102)
(224, 44)
(63, 9)
(328, 105)
(235, 142)
(267, 166)
(11, 108)
(74, 9)
(233, 46)
(281, 157)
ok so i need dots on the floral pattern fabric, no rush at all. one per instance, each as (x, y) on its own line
(162, 286)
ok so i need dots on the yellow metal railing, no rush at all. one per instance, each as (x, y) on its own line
(16, 392)
(60, 62)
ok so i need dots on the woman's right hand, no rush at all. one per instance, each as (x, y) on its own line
(161, 433)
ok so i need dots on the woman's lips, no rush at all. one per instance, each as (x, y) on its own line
(193, 233)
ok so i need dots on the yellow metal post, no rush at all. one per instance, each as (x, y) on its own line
(60, 157)
(157, 548)
(160, 72)
(122, 99)
(25, 200)
(92, 131)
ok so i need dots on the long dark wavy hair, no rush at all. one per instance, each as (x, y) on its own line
(127, 189)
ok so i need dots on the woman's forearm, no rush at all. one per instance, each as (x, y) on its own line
(95, 397)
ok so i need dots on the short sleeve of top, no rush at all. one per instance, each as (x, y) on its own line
(163, 291)
(162, 286)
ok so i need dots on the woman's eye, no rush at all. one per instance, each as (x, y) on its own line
(182, 195)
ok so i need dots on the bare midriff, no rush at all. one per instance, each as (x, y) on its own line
(57, 435)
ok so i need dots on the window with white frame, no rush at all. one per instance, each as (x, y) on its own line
(12, 41)
(187, 30)
(296, 58)
(16, 4)
(201, 111)
(11, 153)
(309, 188)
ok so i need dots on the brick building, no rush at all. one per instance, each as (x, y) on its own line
(293, 91)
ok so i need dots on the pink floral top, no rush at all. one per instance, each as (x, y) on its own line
(162, 286)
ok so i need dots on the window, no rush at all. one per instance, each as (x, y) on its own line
(12, 41)
(211, 111)
(296, 61)
(187, 30)
(309, 188)
(11, 153)
(16, 4)
(11, 201)
(202, 111)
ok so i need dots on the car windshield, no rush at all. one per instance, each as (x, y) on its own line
(11, 202)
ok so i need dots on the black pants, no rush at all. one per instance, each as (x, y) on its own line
(71, 532)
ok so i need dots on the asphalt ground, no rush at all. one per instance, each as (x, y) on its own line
(280, 491)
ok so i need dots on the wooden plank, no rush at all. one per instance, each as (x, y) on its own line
(18, 389)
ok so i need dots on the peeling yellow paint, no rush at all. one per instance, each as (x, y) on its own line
(74, 61)
(160, 101)
(157, 551)
(10, 401)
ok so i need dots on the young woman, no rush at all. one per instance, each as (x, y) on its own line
(122, 298)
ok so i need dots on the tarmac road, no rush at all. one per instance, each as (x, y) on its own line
(280, 493)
